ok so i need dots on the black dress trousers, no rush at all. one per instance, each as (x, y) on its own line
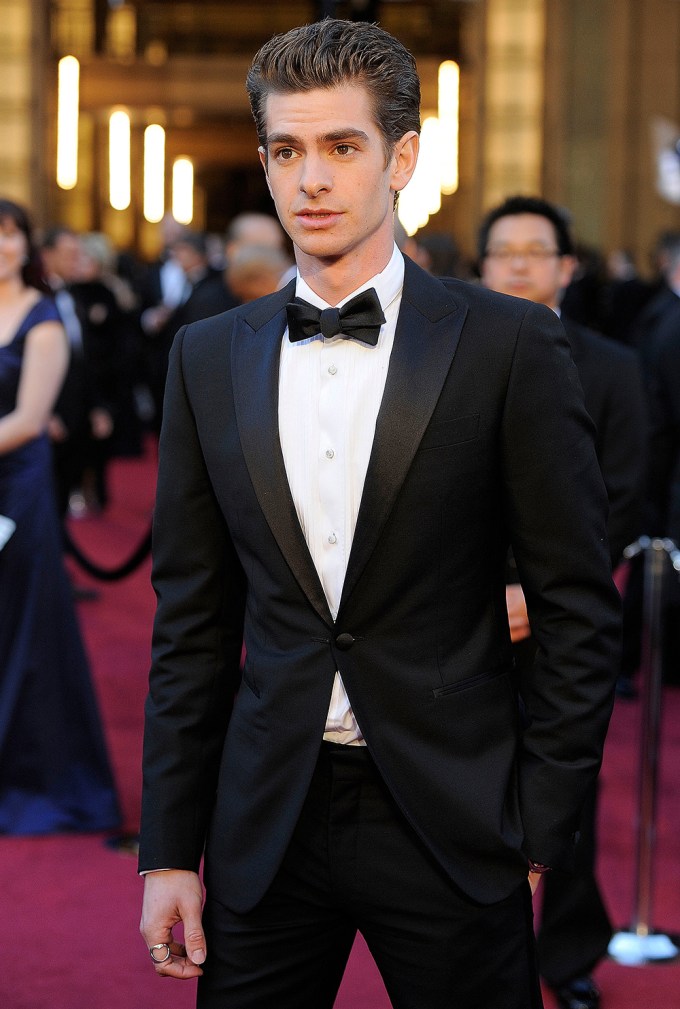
(354, 863)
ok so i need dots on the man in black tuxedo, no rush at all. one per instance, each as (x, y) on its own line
(526, 249)
(343, 466)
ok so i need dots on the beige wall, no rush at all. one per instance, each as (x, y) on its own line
(612, 66)
(557, 96)
(22, 101)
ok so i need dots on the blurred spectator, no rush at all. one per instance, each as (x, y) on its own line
(82, 413)
(204, 294)
(526, 250)
(254, 229)
(582, 298)
(441, 256)
(623, 295)
(255, 270)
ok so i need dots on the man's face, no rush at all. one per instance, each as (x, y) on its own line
(522, 259)
(326, 170)
(63, 259)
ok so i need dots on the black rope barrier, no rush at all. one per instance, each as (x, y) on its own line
(108, 574)
(641, 943)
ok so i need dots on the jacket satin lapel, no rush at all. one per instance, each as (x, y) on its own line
(428, 330)
(255, 367)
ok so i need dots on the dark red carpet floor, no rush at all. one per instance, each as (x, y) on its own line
(70, 904)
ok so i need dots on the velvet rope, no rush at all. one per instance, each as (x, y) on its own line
(109, 574)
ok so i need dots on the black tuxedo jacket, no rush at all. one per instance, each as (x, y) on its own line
(482, 440)
(614, 394)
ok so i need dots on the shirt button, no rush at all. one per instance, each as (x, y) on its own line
(332, 370)
(329, 453)
(332, 539)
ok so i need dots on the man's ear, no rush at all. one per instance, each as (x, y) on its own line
(263, 161)
(404, 158)
(568, 266)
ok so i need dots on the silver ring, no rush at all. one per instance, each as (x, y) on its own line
(160, 945)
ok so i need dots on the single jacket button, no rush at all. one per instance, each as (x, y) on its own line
(344, 641)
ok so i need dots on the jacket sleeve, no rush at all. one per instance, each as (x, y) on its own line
(621, 447)
(197, 641)
(557, 508)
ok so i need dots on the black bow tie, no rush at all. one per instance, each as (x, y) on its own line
(360, 319)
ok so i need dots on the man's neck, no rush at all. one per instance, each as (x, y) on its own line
(334, 280)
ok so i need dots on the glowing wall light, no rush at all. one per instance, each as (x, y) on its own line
(154, 173)
(183, 191)
(68, 80)
(422, 196)
(119, 160)
(449, 113)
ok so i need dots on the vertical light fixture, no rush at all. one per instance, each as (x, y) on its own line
(183, 190)
(68, 81)
(449, 113)
(119, 160)
(154, 173)
(422, 196)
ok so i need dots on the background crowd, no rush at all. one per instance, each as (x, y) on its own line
(120, 316)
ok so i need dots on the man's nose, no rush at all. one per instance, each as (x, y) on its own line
(315, 176)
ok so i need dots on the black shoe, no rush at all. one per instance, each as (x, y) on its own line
(579, 993)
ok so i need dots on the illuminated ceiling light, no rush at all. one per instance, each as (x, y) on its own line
(183, 191)
(154, 173)
(449, 115)
(67, 122)
(422, 196)
(119, 160)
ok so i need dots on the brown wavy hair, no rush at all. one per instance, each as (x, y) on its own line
(331, 53)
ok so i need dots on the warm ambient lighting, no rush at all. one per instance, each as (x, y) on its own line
(183, 191)
(449, 111)
(154, 173)
(422, 196)
(119, 160)
(437, 168)
(67, 122)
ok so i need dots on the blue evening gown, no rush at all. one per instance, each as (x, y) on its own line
(54, 768)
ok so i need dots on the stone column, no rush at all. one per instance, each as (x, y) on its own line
(22, 101)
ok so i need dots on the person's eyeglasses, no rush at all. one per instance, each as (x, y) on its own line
(536, 254)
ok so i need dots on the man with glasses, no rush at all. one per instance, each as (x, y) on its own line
(526, 250)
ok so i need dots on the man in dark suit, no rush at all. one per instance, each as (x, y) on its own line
(204, 294)
(343, 466)
(526, 249)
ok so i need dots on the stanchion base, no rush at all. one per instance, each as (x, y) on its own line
(633, 950)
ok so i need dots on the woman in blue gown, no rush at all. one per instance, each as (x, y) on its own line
(54, 768)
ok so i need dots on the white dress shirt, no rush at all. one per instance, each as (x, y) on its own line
(330, 392)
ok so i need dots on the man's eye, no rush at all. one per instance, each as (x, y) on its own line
(343, 148)
(285, 154)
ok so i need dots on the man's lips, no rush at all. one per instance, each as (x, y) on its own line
(308, 216)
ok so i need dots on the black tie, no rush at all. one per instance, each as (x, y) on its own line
(360, 319)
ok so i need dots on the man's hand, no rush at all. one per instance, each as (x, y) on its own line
(171, 897)
(517, 613)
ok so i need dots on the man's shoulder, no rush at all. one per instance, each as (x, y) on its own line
(468, 294)
(599, 348)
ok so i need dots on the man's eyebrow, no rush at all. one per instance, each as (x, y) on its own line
(336, 136)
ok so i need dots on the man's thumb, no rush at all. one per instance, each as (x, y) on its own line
(194, 942)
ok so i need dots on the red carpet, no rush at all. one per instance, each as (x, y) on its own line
(71, 904)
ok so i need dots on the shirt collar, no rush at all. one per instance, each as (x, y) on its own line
(388, 285)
